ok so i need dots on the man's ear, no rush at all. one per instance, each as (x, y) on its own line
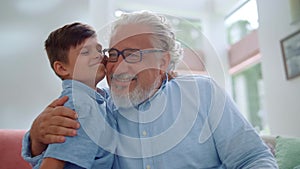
(165, 62)
(61, 69)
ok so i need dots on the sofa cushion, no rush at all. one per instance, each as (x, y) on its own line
(287, 152)
(270, 141)
(10, 148)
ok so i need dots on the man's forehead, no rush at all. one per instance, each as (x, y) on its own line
(130, 30)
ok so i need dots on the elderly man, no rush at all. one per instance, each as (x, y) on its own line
(185, 122)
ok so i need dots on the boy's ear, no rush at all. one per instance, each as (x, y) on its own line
(61, 69)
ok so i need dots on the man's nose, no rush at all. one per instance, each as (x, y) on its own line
(121, 65)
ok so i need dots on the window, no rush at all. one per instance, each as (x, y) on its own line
(188, 31)
(242, 21)
(249, 93)
(245, 67)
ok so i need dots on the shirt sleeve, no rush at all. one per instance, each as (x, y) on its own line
(79, 150)
(26, 151)
(83, 150)
(237, 142)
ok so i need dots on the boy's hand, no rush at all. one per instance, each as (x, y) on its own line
(52, 125)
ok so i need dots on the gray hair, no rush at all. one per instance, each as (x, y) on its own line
(163, 38)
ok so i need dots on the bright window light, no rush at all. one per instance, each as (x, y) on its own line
(247, 12)
(118, 13)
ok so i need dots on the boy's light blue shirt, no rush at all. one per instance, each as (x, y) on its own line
(189, 123)
(82, 151)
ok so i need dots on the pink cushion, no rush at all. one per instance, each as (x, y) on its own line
(10, 149)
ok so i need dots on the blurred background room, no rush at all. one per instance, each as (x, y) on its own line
(237, 42)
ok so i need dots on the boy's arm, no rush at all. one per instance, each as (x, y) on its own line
(52, 163)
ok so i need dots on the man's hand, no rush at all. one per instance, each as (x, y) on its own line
(172, 75)
(52, 125)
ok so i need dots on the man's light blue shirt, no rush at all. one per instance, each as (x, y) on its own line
(190, 122)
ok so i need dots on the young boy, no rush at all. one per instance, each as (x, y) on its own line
(77, 58)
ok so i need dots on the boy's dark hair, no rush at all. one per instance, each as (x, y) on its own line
(61, 40)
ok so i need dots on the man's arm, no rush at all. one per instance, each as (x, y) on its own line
(237, 142)
(52, 125)
(52, 163)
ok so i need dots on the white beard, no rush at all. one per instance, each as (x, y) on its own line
(135, 97)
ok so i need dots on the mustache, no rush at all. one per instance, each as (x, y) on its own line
(123, 76)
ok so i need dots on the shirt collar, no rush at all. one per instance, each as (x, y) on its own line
(96, 94)
(163, 85)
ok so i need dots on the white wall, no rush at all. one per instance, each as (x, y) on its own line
(28, 83)
(282, 96)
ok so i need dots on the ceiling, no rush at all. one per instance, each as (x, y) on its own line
(194, 9)
(183, 8)
(31, 20)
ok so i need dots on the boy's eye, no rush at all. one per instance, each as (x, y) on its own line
(99, 48)
(84, 52)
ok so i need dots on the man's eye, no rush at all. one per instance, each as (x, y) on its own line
(135, 54)
(113, 55)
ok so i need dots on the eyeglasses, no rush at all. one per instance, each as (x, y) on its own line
(129, 55)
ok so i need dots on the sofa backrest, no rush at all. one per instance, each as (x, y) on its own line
(10, 149)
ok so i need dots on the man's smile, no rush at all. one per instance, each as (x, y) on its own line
(122, 80)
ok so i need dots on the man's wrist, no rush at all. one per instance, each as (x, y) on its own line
(36, 147)
(26, 151)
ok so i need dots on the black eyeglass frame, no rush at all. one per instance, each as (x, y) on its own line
(140, 51)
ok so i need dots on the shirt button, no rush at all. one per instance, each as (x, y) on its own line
(144, 133)
(148, 167)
